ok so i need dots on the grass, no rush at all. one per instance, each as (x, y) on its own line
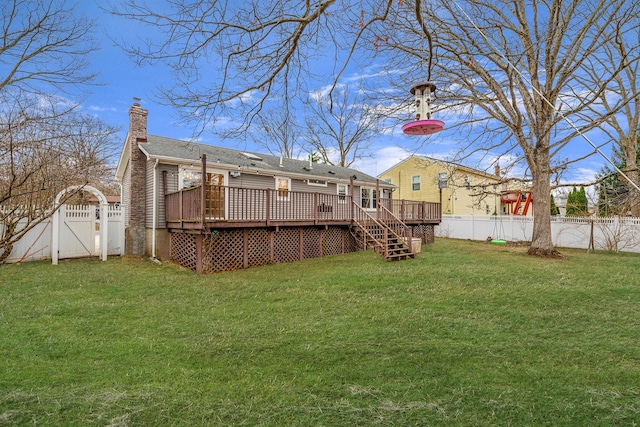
(466, 334)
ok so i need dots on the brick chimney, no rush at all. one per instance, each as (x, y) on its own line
(135, 230)
(496, 171)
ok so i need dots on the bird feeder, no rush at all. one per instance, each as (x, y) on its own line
(424, 93)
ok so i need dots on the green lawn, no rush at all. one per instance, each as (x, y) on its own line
(468, 334)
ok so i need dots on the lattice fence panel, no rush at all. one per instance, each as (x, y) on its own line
(311, 242)
(223, 250)
(286, 245)
(182, 248)
(258, 246)
(332, 241)
(350, 244)
(426, 232)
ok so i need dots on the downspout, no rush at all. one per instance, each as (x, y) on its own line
(154, 214)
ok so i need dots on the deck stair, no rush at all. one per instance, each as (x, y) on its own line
(380, 235)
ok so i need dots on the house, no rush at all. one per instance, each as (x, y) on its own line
(112, 200)
(461, 190)
(254, 209)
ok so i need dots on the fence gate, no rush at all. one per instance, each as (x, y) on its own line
(85, 231)
(79, 231)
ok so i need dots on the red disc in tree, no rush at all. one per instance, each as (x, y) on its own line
(423, 127)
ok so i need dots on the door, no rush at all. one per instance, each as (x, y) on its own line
(215, 203)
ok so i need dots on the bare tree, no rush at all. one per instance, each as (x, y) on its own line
(44, 148)
(44, 46)
(340, 127)
(44, 144)
(278, 131)
(622, 96)
(519, 66)
(512, 65)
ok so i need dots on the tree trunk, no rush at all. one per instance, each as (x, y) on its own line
(5, 251)
(6, 245)
(541, 242)
(631, 160)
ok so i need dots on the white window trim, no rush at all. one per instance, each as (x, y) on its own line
(317, 184)
(342, 198)
(185, 169)
(279, 197)
(373, 200)
(413, 183)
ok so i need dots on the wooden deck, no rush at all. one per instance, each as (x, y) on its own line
(236, 207)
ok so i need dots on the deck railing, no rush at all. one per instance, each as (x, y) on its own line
(407, 210)
(238, 204)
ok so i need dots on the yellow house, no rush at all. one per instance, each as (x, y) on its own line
(465, 190)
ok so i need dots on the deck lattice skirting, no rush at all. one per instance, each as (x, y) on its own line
(233, 249)
(425, 232)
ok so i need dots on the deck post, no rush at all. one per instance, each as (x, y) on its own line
(199, 251)
(203, 192)
(181, 208)
(301, 243)
(271, 254)
(316, 208)
(377, 198)
(351, 192)
(245, 256)
(267, 207)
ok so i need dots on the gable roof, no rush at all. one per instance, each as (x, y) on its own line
(175, 151)
(442, 162)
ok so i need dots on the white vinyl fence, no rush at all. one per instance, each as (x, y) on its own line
(607, 233)
(79, 235)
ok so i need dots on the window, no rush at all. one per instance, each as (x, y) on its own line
(342, 192)
(415, 182)
(318, 182)
(283, 185)
(368, 198)
(190, 178)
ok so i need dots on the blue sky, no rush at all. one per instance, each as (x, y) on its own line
(121, 80)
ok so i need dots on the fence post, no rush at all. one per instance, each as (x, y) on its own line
(55, 233)
(104, 230)
(473, 227)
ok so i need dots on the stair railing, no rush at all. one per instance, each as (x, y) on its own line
(361, 216)
(395, 224)
(399, 229)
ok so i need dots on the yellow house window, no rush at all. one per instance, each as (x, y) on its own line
(415, 182)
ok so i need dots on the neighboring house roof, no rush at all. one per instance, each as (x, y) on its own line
(443, 162)
(175, 151)
(110, 199)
